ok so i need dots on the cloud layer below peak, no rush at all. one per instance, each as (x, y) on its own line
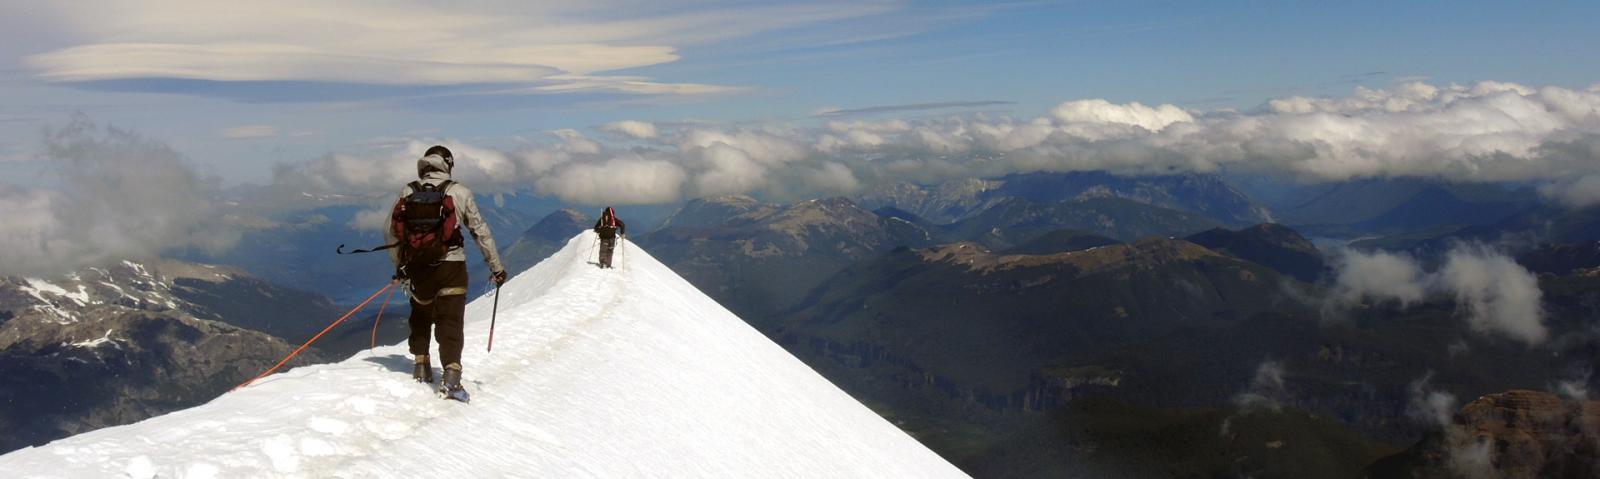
(1487, 132)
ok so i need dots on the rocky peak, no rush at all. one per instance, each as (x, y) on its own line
(1514, 434)
(81, 296)
(120, 342)
(1533, 433)
(943, 202)
(564, 214)
(559, 225)
(819, 213)
(80, 307)
(715, 211)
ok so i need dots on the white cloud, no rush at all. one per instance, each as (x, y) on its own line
(1428, 406)
(1484, 132)
(250, 131)
(1489, 131)
(1577, 191)
(1500, 296)
(636, 129)
(1495, 294)
(371, 219)
(551, 46)
(1466, 454)
(576, 142)
(1133, 114)
(281, 62)
(1576, 387)
(831, 178)
(112, 195)
(766, 147)
(629, 84)
(619, 181)
(727, 170)
(385, 169)
(1381, 275)
(1266, 389)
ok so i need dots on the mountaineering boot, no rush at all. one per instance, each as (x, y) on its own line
(450, 386)
(423, 372)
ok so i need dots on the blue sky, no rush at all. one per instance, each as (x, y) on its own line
(225, 90)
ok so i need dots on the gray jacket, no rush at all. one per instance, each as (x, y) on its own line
(466, 215)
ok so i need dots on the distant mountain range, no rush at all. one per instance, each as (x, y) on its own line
(1016, 221)
(1096, 350)
(760, 259)
(755, 257)
(990, 322)
(1522, 232)
(1389, 206)
(953, 201)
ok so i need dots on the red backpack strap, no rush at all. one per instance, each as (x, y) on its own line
(397, 219)
(452, 232)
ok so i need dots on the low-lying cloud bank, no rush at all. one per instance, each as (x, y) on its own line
(1485, 132)
(1494, 293)
(1266, 391)
(106, 195)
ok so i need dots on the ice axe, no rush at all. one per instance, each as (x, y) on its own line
(492, 313)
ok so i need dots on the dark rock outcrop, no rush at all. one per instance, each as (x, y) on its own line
(1515, 434)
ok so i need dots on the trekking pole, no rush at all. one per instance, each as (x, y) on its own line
(492, 313)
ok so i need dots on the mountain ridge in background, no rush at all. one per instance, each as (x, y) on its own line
(955, 200)
(113, 345)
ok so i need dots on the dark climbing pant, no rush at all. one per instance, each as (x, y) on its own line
(443, 292)
(607, 246)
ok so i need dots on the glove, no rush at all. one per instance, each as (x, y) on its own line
(499, 277)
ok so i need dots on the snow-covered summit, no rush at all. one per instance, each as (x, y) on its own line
(629, 372)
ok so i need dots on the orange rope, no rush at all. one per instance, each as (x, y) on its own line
(313, 338)
(375, 321)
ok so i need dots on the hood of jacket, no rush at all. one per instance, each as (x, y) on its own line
(433, 162)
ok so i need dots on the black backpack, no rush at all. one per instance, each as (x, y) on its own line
(425, 224)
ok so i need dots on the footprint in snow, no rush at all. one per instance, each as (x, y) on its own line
(328, 425)
(140, 467)
(281, 453)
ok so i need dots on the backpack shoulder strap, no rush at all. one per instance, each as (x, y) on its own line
(445, 186)
(415, 186)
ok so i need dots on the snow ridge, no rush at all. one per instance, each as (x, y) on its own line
(629, 372)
